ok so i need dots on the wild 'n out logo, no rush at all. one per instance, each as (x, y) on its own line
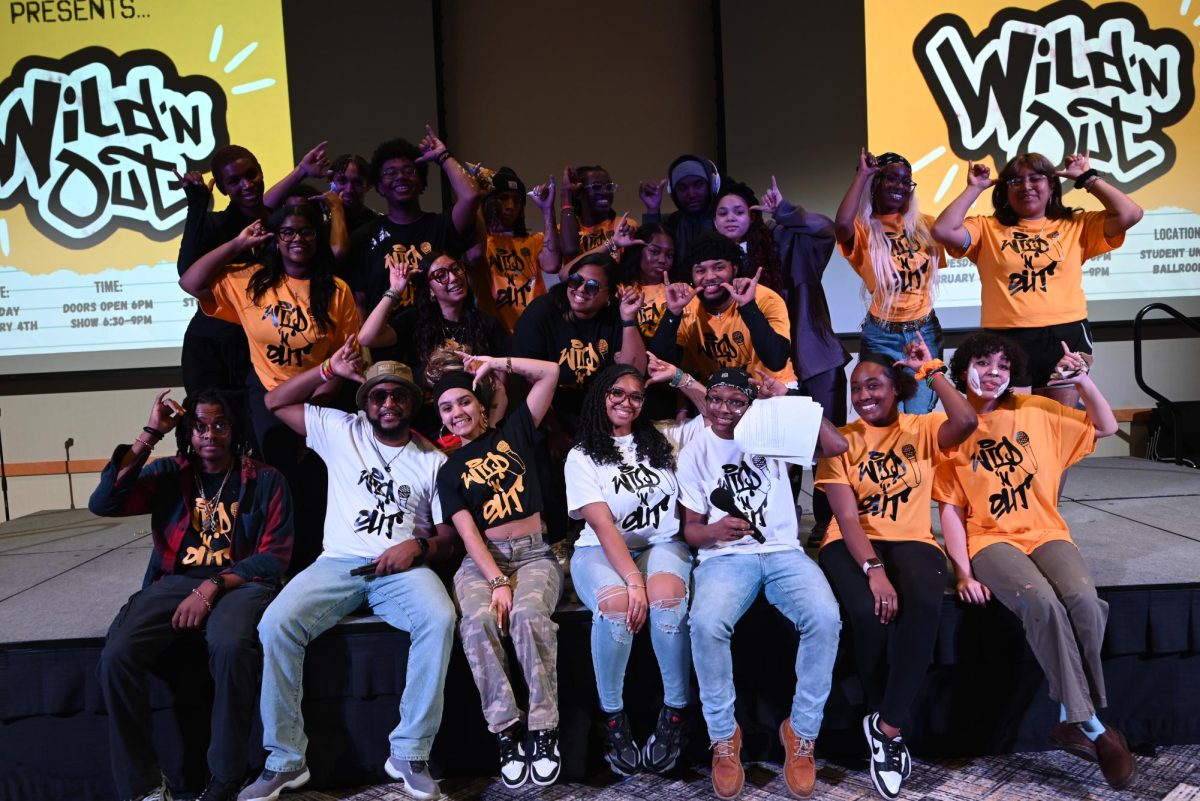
(88, 143)
(1063, 79)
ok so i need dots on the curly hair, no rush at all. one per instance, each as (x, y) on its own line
(321, 285)
(631, 257)
(577, 196)
(1055, 209)
(905, 384)
(558, 292)
(761, 248)
(430, 322)
(489, 214)
(228, 155)
(397, 149)
(984, 344)
(594, 435)
(216, 397)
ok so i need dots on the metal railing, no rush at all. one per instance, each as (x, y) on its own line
(1166, 405)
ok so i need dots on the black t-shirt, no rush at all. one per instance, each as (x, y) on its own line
(495, 477)
(581, 348)
(206, 547)
(411, 242)
(360, 217)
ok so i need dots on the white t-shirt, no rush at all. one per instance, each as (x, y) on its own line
(759, 485)
(379, 495)
(641, 498)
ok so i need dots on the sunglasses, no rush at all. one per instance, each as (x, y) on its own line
(589, 286)
(398, 395)
(600, 186)
(618, 395)
(291, 234)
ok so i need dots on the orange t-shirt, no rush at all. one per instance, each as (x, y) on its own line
(592, 236)
(1032, 273)
(284, 338)
(891, 471)
(910, 297)
(513, 276)
(1006, 476)
(712, 341)
(654, 306)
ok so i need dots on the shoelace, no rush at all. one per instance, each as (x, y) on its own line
(893, 755)
(673, 728)
(543, 744)
(508, 747)
(804, 748)
(723, 749)
(417, 765)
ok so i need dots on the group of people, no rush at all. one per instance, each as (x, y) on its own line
(427, 390)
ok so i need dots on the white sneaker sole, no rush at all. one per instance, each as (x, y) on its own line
(294, 784)
(408, 789)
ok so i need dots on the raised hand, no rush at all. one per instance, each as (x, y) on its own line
(768, 385)
(867, 165)
(252, 236)
(624, 231)
(630, 302)
(430, 146)
(192, 184)
(916, 353)
(979, 176)
(347, 362)
(651, 193)
(542, 195)
(1071, 368)
(743, 290)
(399, 272)
(165, 413)
(570, 182)
(1075, 165)
(327, 199)
(481, 366)
(314, 164)
(678, 296)
(770, 199)
(658, 371)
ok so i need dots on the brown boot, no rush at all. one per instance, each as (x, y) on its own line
(799, 767)
(1116, 763)
(1068, 737)
(728, 776)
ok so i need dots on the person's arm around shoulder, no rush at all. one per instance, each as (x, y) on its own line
(287, 400)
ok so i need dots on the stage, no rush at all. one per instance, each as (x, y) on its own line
(65, 574)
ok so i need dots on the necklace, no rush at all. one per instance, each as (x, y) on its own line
(387, 463)
(208, 514)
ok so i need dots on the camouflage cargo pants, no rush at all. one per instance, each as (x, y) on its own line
(537, 584)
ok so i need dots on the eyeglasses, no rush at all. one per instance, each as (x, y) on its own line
(618, 395)
(219, 428)
(292, 234)
(897, 180)
(392, 173)
(1033, 179)
(600, 186)
(736, 405)
(398, 395)
(588, 286)
(442, 274)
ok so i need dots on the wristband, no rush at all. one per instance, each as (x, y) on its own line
(440, 160)
(929, 367)
(508, 364)
(629, 323)
(153, 432)
(687, 381)
(218, 581)
(568, 208)
(498, 582)
(393, 296)
(326, 370)
(1086, 176)
(149, 445)
(678, 379)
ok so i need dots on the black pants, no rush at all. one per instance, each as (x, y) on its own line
(829, 390)
(214, 362)
(892, 660)
(139, 635)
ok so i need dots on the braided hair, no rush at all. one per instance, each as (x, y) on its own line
(594, 434)
(321, 284)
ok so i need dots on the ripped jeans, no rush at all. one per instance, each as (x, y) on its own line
(596, 580)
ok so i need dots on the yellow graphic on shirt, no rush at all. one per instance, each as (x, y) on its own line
(503, 471)
(215, 544)
(583, 359)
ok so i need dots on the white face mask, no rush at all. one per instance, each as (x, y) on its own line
(974, 386)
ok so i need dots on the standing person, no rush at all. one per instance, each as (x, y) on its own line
(739, 218)
(348, 178)
(221, 530)
(880, 555)
(734, 566)
(888, 243)
(380, 537)
(1030, 253)
(693, 183)
(631, 563)
(1006, 538)
(399, 171)
(510, 273)
(509, 583)
(588, 218)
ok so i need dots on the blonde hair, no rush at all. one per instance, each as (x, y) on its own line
(879, 251)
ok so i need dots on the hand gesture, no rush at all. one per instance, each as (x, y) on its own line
(328, 199)
(768, 385)
(347, 361)
(165, 413)
(397, 559)
(1075, 165)
(867, 165)
(481, 366)
(543, 194)
(570, 182)
(631, 302)
(400, 271)
(972, 591)
(624, 231)
(193, 186)
(658, 371)
(190, 613)
(651, 193)
(979, 176)
(430, 146)
(771, 199)
(501, 605)
(729, 529)
(314, 164)
(252, 236)
(916, 353)
(743, 290)
(1071, 368)
(678, 296)
(639, 607)
(887, 604)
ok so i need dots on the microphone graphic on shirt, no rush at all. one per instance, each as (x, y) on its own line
(1023, 440)
(403, 492)
(723, 499)
(910, 453)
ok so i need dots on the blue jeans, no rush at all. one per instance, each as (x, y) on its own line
(595, 579)
(725, 586)
(313, 602)
(891, 344)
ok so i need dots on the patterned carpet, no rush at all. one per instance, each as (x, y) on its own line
(1173, 774)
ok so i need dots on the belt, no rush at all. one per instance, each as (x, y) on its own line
(900, 328)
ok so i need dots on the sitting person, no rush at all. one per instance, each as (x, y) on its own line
(1006, 538)
(221, 529)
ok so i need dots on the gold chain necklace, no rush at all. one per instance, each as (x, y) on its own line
(208, 514)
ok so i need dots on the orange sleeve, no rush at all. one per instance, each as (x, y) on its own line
(856, 251)
(229, 295)
(832, 470)
(1093, 242)
(946, 486)
(1076, 434)
(976, 226)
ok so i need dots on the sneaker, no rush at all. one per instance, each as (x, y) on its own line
(514, 767)
(159, 793)
(271, 783)
(663, 748)
(728, 775)
(544, 760)
(218, 790)
(1068, 737)
(799, 764)
(890, 764)
(414, 775)
(620, 751)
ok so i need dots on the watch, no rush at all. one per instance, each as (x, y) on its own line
(871, 564)
(219, 580)
(419, 559)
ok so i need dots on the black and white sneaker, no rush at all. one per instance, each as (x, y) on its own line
(514, 767)
(544, 760)
(662, 750)
(620, 751)
(890, 764)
